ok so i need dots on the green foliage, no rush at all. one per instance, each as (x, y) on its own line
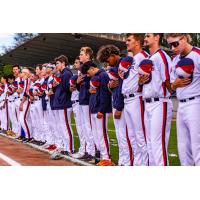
(5, 70)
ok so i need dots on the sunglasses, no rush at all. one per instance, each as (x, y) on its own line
(174, 44)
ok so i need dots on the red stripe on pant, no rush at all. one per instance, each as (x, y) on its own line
(28, 132)
(142, 117)
(163, 133)
(105, 134)
(130, 148)
(7, 123)
(68, 130)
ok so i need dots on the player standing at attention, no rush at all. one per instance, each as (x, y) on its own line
(76, 109)
(133, 103)
(83, 85)
(100, 108)
(155, 82)
(110, 54)
(185, 78)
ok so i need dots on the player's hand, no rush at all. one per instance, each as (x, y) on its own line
(50, 93)
(99, 115)
(143, 79)
(117, 114)
(92, 91)
(113, 84)
(180, 82)
(21, 107)
(121, 74)
(80, 79)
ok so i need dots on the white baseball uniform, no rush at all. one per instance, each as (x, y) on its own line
(158, 109)
(4, 111)
(188, 114)
(134, 111)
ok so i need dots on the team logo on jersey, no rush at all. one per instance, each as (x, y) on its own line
(113, 73)
(73, 80)
(125, 63)
(185, 68)
(94, 82)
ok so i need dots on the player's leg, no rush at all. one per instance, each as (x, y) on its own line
(90, 147)
(193, 123)
(77, 118)
(127, 136)
(183, 137)
(102, 128)
(158, 124)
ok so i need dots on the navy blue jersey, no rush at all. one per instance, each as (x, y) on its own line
(117, 97)
(83, 88)
(44, 102)
(62, 98)
(101, 100)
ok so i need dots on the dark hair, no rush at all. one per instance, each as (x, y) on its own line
(86, 66)
(11, 76)
(137, 36)
(62, 59)
(5, 77)
(77, 58)
(161, 37)
(106, 51)
(16, 66)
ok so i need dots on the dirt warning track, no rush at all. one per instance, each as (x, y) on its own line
(16, 154)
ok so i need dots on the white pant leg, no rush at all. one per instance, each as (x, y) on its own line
(5, 117)
(40, 120)
(85, 114)
(188, 132)
(14, 118)
(25, 119)
(134, 116)
(65, 130)
(79, 127)
(10, 114)
(18, 124)
(94, 126)
(102, 129)
(159, 121)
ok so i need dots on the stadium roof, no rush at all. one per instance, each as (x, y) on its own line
(46, 46)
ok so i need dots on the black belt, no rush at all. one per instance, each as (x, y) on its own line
(149, 100)
(129, 95)
(73, 102)
(185, 100)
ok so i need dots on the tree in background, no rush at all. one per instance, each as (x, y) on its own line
(5, 70)
(20, 38)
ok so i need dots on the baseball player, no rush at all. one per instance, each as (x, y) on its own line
(51, 113)
(17, 73)
(110, 55)
(63, 105)
(11, 111)
(133, 103)
(83, 85)
(154, 81)
(185, 79)
(24, 115)
(4, 104)
(100, 108)
(76, 110)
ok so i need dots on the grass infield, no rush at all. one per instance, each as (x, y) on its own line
(172, 147)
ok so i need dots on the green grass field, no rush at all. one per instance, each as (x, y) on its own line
(172, 149)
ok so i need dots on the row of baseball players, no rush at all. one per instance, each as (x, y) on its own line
(136, 89)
